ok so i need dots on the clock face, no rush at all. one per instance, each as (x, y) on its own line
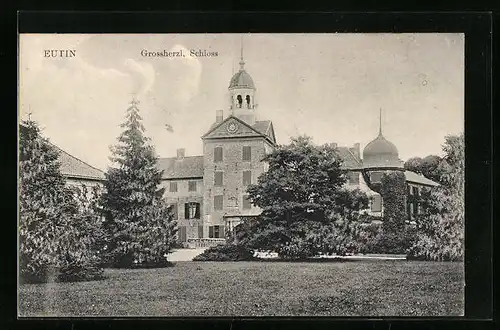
(232, 127)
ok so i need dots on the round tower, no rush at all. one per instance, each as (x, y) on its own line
(242, 95)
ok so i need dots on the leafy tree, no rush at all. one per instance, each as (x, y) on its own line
(300, 195)
(81, 258)
(414, 164)
(139, 223)
(441, 224)
(51, 233)
(430, 166)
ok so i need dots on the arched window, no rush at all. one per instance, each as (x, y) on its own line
(239, 101)
(248, 101)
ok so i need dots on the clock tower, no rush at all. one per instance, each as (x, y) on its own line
(233, 149)
(242, 95)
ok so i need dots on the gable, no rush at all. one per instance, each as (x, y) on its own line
(223, 130)
(265, 127)
(270, 133)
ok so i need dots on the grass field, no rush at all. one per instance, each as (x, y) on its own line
(351, 288)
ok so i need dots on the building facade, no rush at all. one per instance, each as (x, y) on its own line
(208, 192)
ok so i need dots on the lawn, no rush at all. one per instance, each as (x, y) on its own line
(349, 288)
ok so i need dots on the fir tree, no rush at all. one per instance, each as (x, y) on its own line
(139, 223)
(52, 240)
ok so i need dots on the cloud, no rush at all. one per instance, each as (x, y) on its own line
(143, 75)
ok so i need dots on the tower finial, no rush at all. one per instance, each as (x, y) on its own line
(242, 62)
(29, 113)
(380, 123)
(134, 101)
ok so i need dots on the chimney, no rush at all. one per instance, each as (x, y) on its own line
(219, 116)
(355, 151)
(181, 153)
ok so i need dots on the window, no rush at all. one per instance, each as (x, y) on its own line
(216, 232)
(247, 178)
(192, 186)
(173, 187)
(182, 234)
(376, 177)
(200, 231)
(353, 177)
(173, 209)
(218, 202)
(192, 210)
(247, 153)
(247, 204)
(218, 178)
(377, 204)
(217, 154)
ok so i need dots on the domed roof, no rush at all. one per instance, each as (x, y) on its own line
(381, 153)
(380, 147)
(241, 79)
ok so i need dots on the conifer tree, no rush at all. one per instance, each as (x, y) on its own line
(52, 242)
(139, 223)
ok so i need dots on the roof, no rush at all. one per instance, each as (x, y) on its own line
(72, 166)
(380, 146)
(187, 167)
(77, 168)
(264, 127)
(241, 79)
(420, 179)
(349, 161)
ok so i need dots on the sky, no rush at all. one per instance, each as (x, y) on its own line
(328, 86)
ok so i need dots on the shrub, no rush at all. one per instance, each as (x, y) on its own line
(79, 267)
(441, 225)
(226, 252)
(374, 239)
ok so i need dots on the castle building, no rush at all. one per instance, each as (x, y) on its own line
(208, 192)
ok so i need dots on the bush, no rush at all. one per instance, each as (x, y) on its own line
(374, 239)
(77, 268)
(226, 252)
